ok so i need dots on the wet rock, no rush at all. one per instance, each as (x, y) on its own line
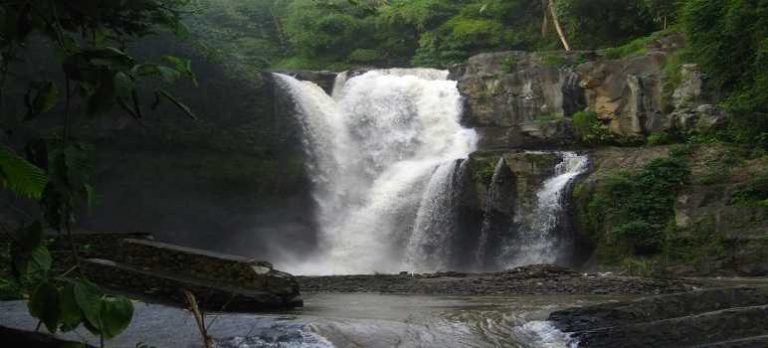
(160, 271)
(520, 99)
(685, 319)
(324, 79)
(538, 280)
(20, 338)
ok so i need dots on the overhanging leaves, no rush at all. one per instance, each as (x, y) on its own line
(116, 314)
(20, 176)
(44, 305)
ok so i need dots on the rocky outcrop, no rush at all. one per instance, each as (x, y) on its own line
(526, 100)
(518, 99)
(324, 79)
(719, 317)
(160, 272)
(529, 280)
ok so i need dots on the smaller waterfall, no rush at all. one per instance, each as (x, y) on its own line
(338, 85)
(429, 247)
(494, 222)
(537, 242)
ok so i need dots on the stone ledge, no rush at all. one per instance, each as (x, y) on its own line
(201, 264)
(165, 287)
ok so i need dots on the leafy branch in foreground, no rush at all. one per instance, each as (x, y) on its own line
(88, 40)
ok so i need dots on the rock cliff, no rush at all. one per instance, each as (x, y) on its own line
(527, 100)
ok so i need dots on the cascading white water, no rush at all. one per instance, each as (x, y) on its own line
(428, 248)
(380, 153)
(535, 242)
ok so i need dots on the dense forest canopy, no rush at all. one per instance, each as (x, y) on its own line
(338, 34)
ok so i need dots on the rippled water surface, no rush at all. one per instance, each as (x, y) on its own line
(351, 320)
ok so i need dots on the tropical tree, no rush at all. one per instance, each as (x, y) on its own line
(550, 11)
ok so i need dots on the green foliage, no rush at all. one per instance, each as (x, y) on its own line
(555, 59)
(673, 67)
(633, 48)
(484, 174)
(754, 192)
(509, 65)
(421, 15)
(595, 24)
(590, 130)
(629, 213)
(364, 56)
(639, 267)
(729, 39)
(660, 138)
(20, 176)
(252, 35)
(88, 41)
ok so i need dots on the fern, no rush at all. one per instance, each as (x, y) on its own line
(21, 177)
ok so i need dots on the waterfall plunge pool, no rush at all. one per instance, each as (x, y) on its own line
(350, 320)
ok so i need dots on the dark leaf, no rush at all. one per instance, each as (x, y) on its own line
(103, 99)
(46, 95)
(88, 299)
(44, 305)
(183, 66)
(123, 85)
(20, 176)
(70, 314)
(116, 315)
(178, 104)
(169, 75)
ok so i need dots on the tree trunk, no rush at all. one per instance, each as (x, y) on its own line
(559, 29)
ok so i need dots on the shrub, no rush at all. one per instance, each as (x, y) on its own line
(753, 193)
(509, 65)
(729, 40)
(364, 55)
(628, 213)
(633, 48)
(590, 130)
(639, 236)
(659, 138)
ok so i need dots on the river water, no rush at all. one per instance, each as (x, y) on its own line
(350, 320)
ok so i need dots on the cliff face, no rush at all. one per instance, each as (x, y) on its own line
(519, 100)
(527, 100)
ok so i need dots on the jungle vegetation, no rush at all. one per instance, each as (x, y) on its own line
(98, 78)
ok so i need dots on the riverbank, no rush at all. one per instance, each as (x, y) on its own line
(531, 280)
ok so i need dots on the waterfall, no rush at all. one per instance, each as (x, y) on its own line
(537, 241)
(429, 246)
(382, 151)
(494, 222)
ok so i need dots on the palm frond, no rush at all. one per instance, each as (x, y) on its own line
(21, 177)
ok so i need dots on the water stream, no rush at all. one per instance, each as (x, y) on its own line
(347, 320)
